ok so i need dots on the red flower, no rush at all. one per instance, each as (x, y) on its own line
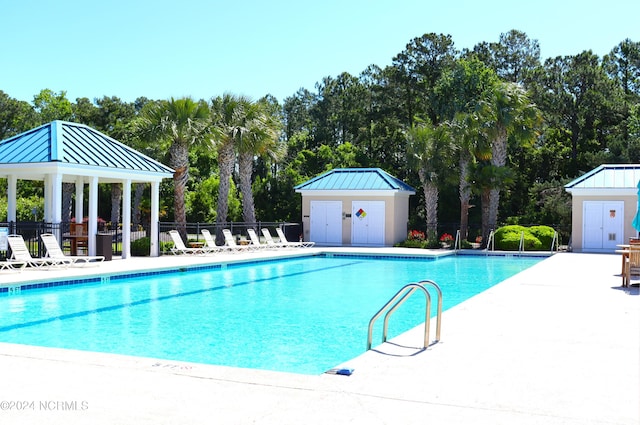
(446, 238)
(416, 235)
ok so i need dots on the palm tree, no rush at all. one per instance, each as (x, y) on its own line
(262, 140)
(472, 146)
(485, 178)
(231, 129)
(430, 150)
(508, 115)
(180, 123)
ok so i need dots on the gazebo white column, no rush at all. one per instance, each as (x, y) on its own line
(155, 217)
(126, 219)
(53, 198)
(79, 213)
(12, 184)
(93, 214)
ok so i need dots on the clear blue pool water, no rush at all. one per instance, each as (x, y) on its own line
(303, 315)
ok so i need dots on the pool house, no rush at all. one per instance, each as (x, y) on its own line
(355, 207)
(604, 203)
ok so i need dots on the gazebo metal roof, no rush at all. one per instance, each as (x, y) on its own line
(65, 152)
(78, 150)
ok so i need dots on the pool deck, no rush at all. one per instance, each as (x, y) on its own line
(558, 343)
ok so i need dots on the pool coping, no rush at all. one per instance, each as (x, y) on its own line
(485, 370)
(18, 281)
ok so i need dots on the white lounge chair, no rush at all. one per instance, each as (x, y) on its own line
(269, 239)
(20, 253)
(284, 241)
(13, 265)
(255, 240)
(230, 242)
(211, 242)
(180, 248)
(53, 249)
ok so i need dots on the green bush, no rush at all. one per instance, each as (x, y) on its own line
(412, 243)
(141, 247)
(465, 244)
(507, 238)
(544, 234)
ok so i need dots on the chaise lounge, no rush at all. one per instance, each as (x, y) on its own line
(180, 248)
(20, 253)
(284, 241)
(54, 251)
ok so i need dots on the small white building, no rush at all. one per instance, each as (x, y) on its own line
(355, 206)
(604, 203)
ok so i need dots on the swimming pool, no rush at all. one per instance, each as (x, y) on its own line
(303, 315)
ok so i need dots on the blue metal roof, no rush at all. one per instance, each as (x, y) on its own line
(355, 179)
(72, 143)
(608, 176)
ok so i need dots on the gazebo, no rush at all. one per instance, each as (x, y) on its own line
(65, 152)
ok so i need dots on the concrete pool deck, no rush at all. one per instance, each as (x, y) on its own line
(558, 343)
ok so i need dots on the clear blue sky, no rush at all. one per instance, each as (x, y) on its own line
(203, 48)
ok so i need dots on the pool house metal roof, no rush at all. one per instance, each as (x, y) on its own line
(355, 179)
(607, 179)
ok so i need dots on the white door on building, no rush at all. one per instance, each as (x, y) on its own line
(603, 225)
(367, 223)
(325, 222)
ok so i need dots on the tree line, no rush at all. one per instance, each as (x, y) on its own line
(493, 126)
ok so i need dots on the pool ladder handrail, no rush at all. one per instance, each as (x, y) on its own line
(555, 242)
(521, 245)
(399, 298)
(490, 242)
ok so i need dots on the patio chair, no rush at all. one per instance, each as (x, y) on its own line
(283, 240)
(255, 240)
(20, 253)
(230, 242)
(632, 265)
(54, 251)
(269, 239)
(180, 248)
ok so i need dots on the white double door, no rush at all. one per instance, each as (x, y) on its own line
(367, 223)
(326, 222)
(603, 225)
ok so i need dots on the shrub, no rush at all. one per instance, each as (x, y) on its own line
(412, 243)
(465, 244)
(544, 234)
(507, 238)
(141, 247)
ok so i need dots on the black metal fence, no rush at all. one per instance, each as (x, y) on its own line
(31, 231)
(193, 231)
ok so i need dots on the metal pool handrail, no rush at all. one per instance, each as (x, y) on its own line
(397, 300)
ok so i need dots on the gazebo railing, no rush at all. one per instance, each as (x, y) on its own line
(31, 231)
